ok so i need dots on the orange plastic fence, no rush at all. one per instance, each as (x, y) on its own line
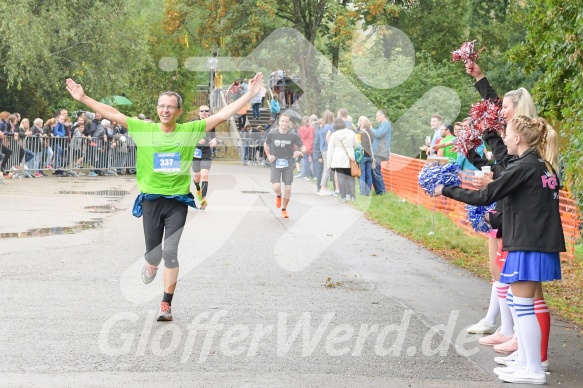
(401, 174)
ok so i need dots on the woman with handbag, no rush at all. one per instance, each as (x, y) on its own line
(368, 163)
(340, 158)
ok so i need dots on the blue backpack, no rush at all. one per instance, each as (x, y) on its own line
(359, 154)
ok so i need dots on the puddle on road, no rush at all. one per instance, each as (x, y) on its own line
(103, 209)
(99, 193)
(41, 232)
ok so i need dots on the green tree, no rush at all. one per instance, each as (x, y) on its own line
(554, 49)
(96, 42)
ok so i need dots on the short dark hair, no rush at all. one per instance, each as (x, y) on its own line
(436, 116)
(174, 94)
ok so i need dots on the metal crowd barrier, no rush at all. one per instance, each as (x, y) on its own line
(252, 153)
(37, 156)
(248, 151)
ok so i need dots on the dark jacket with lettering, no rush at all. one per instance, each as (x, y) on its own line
(499, 151)
(530, 192)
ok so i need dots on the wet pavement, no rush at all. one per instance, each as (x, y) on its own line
(323, 298)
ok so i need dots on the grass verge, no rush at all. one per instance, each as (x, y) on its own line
(565, 297)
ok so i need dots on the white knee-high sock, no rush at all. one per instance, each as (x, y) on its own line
(494, 307)
(521, 360)
(530, 332)
(506, 320)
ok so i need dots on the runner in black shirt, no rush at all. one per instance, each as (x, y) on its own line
(201, 163)
(280, 150)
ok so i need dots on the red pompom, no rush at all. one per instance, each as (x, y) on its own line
(467, 139)
(467, 52)
(486, 115)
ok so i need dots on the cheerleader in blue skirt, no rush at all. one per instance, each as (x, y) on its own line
(531, 233)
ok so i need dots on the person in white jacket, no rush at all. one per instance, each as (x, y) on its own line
(340, 152)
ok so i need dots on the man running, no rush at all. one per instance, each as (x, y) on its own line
(164, 156)
(280, 150)
(201, 164)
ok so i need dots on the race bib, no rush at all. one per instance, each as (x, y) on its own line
(198, 153)
(167, 162)
(281, 163)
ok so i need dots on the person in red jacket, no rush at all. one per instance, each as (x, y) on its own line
(306, 133)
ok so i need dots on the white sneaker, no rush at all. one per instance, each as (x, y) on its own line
(325, 192)
(482, 327)
(507, 360)
(507, 369)
(511, 360)
(524, 376)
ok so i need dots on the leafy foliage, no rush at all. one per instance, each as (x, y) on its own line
(73, 38)
(553, 50)
(119, 52)
(427, 74)
(234, 27)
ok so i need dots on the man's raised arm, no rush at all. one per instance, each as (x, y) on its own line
(108, 112)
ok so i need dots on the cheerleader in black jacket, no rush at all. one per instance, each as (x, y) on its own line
(514, 103)
(531, 233)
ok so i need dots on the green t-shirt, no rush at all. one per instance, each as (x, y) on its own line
(448, 151)
(163, 160)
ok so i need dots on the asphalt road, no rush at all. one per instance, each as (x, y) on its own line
(323, 298)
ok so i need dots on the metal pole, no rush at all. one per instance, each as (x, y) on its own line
(212, 65)
(212, 92)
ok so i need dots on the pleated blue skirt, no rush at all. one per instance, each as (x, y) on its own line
(533, 266)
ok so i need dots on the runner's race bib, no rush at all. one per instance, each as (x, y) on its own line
(281, 163)
(167, 162)
(197, 153)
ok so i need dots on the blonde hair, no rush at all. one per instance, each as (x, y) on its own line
(522, 102)
(537, 133)
(551, 151)
(364, 121)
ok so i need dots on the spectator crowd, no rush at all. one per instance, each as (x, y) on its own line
(62, 144)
